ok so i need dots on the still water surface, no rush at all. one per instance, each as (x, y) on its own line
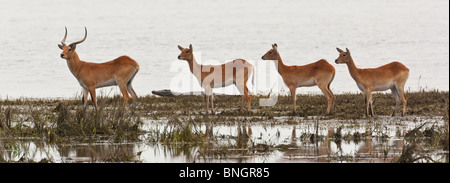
(242, 142)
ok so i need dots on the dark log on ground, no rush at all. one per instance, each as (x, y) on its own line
(169, 93)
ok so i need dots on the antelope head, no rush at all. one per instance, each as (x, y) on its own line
(344, 56)
(272, 54)
(69, 51)
(186, 53)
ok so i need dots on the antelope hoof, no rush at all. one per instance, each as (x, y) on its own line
(246, 112)
(294, 113)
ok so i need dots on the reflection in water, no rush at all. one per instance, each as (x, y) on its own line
(368, 150)
(37, 150)
(225, 143)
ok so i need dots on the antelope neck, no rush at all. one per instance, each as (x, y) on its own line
(194, 66)
(280, 66)
(74, 64)
(353, 70)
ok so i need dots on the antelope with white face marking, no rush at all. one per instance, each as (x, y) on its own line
(236, 72)
(391, 76)
(319, 73)
(120, 71)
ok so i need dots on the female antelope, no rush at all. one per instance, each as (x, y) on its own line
(319, 73)
(390, 76)
(236, 72)
(120, 71)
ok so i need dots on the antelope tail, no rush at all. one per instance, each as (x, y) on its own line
(253, 80)
(253, 76)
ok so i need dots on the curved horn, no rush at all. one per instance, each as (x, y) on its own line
(63, 42)
(85, 35)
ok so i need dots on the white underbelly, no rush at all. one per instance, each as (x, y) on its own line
(383, 87)
(110, 82)
(82, 84)
(361, 87)
(311, 82)
(228, 82)
(217, 82)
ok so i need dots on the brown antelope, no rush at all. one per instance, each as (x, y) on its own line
(319, 73)
(236, 72)
(120, 71)
(390, 76)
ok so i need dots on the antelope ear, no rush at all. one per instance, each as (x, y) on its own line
(60, 46)
(275, 46)
(190, 47)
(181, 48)
(72, 47)
(339, 50)
(348, 51)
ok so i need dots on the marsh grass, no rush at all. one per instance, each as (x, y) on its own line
(422, 140)
(175, 131)
(63, 121)
(238, 147)
(5, 118)
(79, 121)
(347, 105)
(55, 118)
(57, 121)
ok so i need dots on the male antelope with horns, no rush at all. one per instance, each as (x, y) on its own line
(120, 71)
(236, 72)
(391, 76)
(319, 73)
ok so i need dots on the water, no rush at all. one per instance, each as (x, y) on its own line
(415, 32)
(237, 139)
